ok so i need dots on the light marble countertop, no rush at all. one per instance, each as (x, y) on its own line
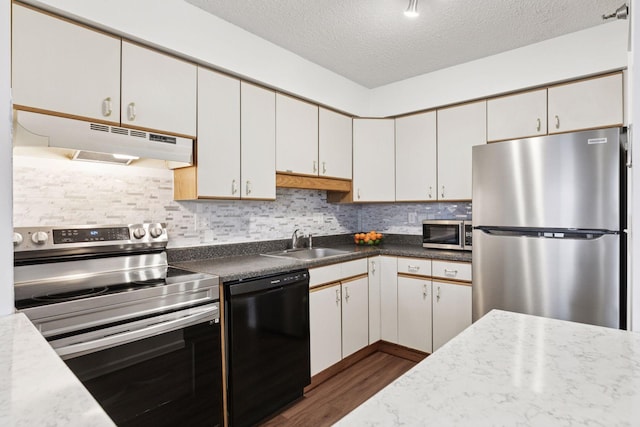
(512, 369)
(36, 387)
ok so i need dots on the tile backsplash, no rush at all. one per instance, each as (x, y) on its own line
(50, 191)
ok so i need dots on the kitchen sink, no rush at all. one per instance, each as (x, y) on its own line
(306, 253)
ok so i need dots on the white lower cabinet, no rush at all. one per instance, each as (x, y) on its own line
(414, 313)
(325, 327)
(355, 315)
(451, 311)
(389, 299)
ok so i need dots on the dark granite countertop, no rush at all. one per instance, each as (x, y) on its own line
(241, 266)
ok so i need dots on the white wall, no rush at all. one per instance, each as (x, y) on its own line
(633, 82)
(592, 51)
(6, 214)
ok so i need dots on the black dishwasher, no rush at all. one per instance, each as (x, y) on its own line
(267, 338)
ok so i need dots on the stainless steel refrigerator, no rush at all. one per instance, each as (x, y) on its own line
(547, 217)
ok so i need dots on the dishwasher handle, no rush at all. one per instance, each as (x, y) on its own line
(261, 284)
(146, 330)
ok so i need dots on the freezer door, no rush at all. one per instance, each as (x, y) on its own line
(560, 181)
(568, 279)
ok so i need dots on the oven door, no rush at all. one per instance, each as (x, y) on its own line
(159, 371)
(442, 234)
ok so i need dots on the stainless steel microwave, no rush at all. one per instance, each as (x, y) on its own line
(447, 234)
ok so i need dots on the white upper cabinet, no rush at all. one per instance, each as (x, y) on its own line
(373, 160)
(335, 145)
(296, 136)
(586, 104)
(459, 129)
(517, 116)
(158, 91)
(258, 145)
(416, 156)
(61, 67)
(218, 170)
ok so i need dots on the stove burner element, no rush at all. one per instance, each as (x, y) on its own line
(73, 295)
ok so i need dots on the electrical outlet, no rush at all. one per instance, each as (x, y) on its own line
(413, 217)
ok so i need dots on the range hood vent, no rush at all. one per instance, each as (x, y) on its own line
(99, 142)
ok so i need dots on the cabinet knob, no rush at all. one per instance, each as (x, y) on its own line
(337, 296)
(106, 107)
(248, 188)
(346, 293)
(324, 168)
(450, 273)
(373, 267)
(438, 295)
(234, 187)
(539, 125)
(131, 111)
(424, 291)
(430, 192)
(358, 194)
(557, 122)
(442, 192)
(315, 166)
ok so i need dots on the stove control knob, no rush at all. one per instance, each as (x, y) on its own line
(39, 237)
(139, 233)
(17, 239)
(155, 232)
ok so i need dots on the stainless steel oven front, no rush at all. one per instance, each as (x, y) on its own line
(446, 234)
(143, 337)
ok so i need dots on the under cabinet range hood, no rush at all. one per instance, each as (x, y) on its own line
(82, 140)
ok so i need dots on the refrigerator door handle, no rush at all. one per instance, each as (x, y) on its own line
(547, 233)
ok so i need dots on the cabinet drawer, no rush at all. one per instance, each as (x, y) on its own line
(417, 266)
(325, 274)
(354, 268)
(452, 270)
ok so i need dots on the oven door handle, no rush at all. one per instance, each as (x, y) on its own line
(149, 329)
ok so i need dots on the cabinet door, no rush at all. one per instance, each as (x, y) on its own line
(451, 311)
(389, 299)
(374, 273)
(416, 157)
(296, 136)
(459, 129)
(517, 116)
(258, 142)
(218, 173)
(414, 313)
(373, 160)
(325, 327)
(586, 104)
(63, 67)
(355, 315)
(335, 144)
(158, 91)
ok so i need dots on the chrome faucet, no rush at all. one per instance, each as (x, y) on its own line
(294, 238)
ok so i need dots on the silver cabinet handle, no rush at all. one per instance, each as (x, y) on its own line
(442, 192)
(346, 293)
(373, 267)
(438, 295)
(106, 107)
(430, 192)
(324, 168)
(450, 273)
(539, 125)
(358, 193)
(337, 296)
(248, 188)
(413, 268)
(315, 166)
(234, 187)
(557, 122)
(131, 111)
(424, 291)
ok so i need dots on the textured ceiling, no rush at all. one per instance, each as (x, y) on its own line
(372, 43)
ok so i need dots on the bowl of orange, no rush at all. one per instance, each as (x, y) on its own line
(370, 238)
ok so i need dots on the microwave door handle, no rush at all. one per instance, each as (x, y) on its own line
(74, 350)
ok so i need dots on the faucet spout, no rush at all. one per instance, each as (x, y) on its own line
(294, 238)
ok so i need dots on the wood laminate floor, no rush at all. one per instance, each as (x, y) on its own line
(339, 395)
